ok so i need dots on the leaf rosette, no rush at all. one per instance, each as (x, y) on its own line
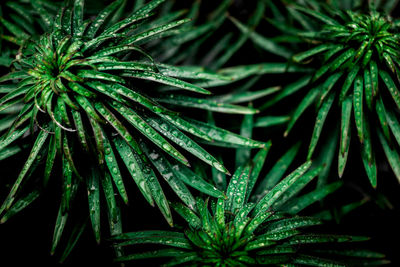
(353, 53)
(359, 59)
(251, 229)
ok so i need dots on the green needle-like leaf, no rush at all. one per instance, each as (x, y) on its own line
(358, 107)
(151, 76)
(206, 104)
(269, 199)
(392, 156)
(40, 140)
(93, 189)
(112, 165)
(319, 123)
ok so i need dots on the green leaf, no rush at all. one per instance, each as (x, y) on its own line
(186, 126)
(46, 17)
(161, 253)
(195, 181)
(383, 117)
(261, 41)
(14, 75)
(14, 94)
(184, 142)
(335, 64)
(329, 84)
(20, 204)
(391, 87)
(101, 17)
(295, 205)
(165, 169)
(148, 7)
(269, 121)
(326, 156)
(345, 134)
(297, 186)
(290, 224)
(237, 188)
(368, 88)
(367, 155)
(98, 137)
(358, 107)
(287, 91)
(173, 239)
(259, 244)
(323, 18)
(113, 168)
(97, 75)
(318, 239)
(311, 52)
(138, 98)
(123, 66)
(151, 76)
(205, 104)
(80, 129)
(315, 261)
(113, 210)
(58, 229)
(154, 32)
(392, 156)
(190, 72)
(74, 237)
(256, 166)
(304, 104)
(319, 123)
(277, 172)
(247, 96)
(241, 72)
(246, 130)
(219, 134)
(154, 186)
(14, 29)
(78, 15)
(9, 152)
(184, 258)
(67, 184)
(93, 190)
(33, 156)
(268, 200)
(374, 76)
(128, 158)
(393, 124)
(140, 124)
(9, 138)
(187, 214)
(348, 82)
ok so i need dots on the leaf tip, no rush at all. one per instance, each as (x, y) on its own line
(285, 134)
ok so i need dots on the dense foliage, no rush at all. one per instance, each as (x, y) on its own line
(239, 232)
(108, 106)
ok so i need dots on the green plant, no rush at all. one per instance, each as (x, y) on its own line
(239, 232)
(358, 59)
(106, 106)
(352, 64)
(85, 103)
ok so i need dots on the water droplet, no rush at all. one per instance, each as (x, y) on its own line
(157, 109)
(114, 170)
(166, 146)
